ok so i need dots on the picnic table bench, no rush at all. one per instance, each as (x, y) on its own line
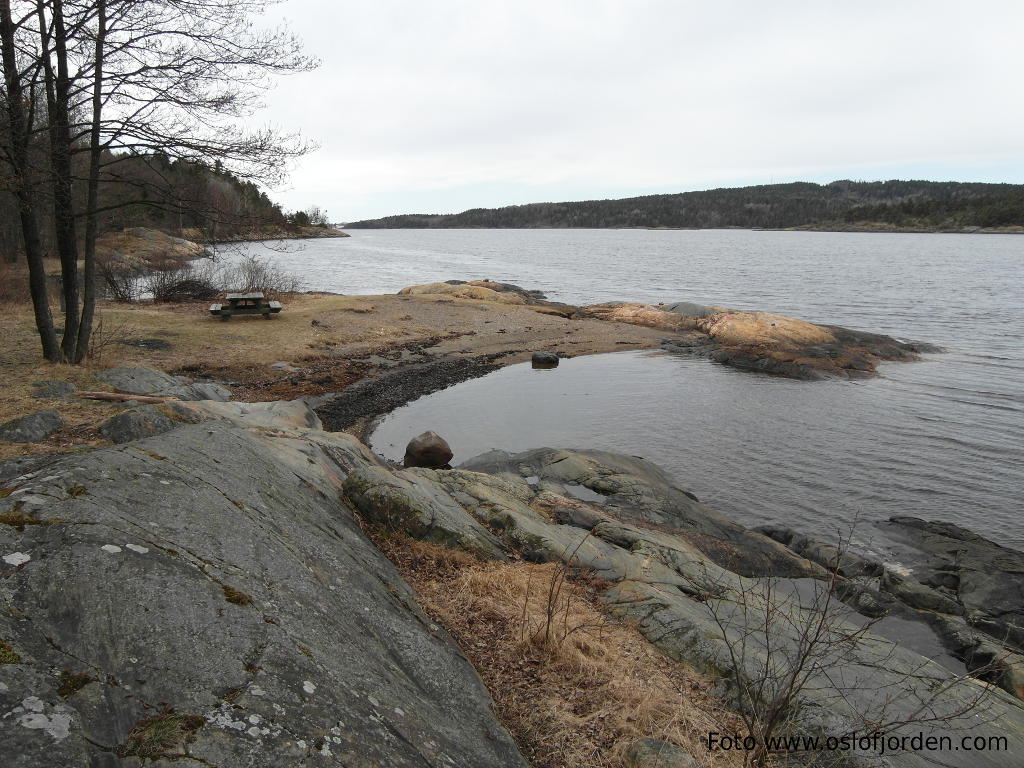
(245, 304)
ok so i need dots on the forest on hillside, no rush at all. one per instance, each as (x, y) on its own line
(910, 205)
(158, 192)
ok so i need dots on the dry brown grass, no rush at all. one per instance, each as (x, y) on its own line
(578, 701)
(329, 338)
(13, 284)
(240, 350)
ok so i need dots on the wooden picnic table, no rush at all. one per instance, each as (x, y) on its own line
(245, 304)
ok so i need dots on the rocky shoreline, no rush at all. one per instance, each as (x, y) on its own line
(240, 528)
(759, 342)
(236, 526)
(289, 233)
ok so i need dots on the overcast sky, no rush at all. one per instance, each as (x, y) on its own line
(435, 107)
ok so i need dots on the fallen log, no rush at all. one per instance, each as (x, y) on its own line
(122, 397)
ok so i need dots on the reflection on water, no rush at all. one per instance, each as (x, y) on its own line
(811, 455)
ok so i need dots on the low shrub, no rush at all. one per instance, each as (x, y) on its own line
(253, 274)
(193, 282)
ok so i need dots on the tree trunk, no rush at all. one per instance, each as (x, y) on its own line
(19, 135)
(57, 94)
(92, 199)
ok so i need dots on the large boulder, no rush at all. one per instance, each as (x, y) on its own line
(32, 428)
(203, 597)
(137, 380)
(410, 502)
(428, 450)
(135, 424)
(52, 390)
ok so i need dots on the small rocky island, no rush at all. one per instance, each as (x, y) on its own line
(229, 583)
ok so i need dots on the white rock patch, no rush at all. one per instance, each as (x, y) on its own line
(308, 687)
(33, 704)
(111, 548)
(31, 715)
(57, 725)
(17, 558)
(137, 548)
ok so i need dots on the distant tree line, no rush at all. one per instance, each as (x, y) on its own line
(154, 191)
(927, 205)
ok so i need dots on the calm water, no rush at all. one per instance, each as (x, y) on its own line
(941, 439)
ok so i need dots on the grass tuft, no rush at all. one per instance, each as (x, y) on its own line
(18, 519)
(71, 683)
(161, 736)
(8, 654)
(235, 596)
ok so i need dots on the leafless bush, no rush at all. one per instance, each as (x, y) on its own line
(559, 605)
(122, 282)
(196, 281)
(783, 646)
(105, 335)
(252, 274)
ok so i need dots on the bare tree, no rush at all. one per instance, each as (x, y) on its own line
(130, 79)
(19, 85)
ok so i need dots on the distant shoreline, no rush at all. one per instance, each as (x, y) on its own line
(302, 233)
(1014, 230)
(891, 206)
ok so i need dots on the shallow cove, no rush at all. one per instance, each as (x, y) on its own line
(761, 449)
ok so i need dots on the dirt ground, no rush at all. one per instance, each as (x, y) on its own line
(330, 341)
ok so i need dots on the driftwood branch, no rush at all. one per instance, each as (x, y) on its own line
(121, 397)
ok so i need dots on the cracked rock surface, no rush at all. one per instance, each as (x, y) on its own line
(204, 597)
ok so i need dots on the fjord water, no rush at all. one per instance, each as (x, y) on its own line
(940, 439)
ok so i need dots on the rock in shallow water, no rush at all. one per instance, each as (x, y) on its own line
(428, 450)
(544, 360)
